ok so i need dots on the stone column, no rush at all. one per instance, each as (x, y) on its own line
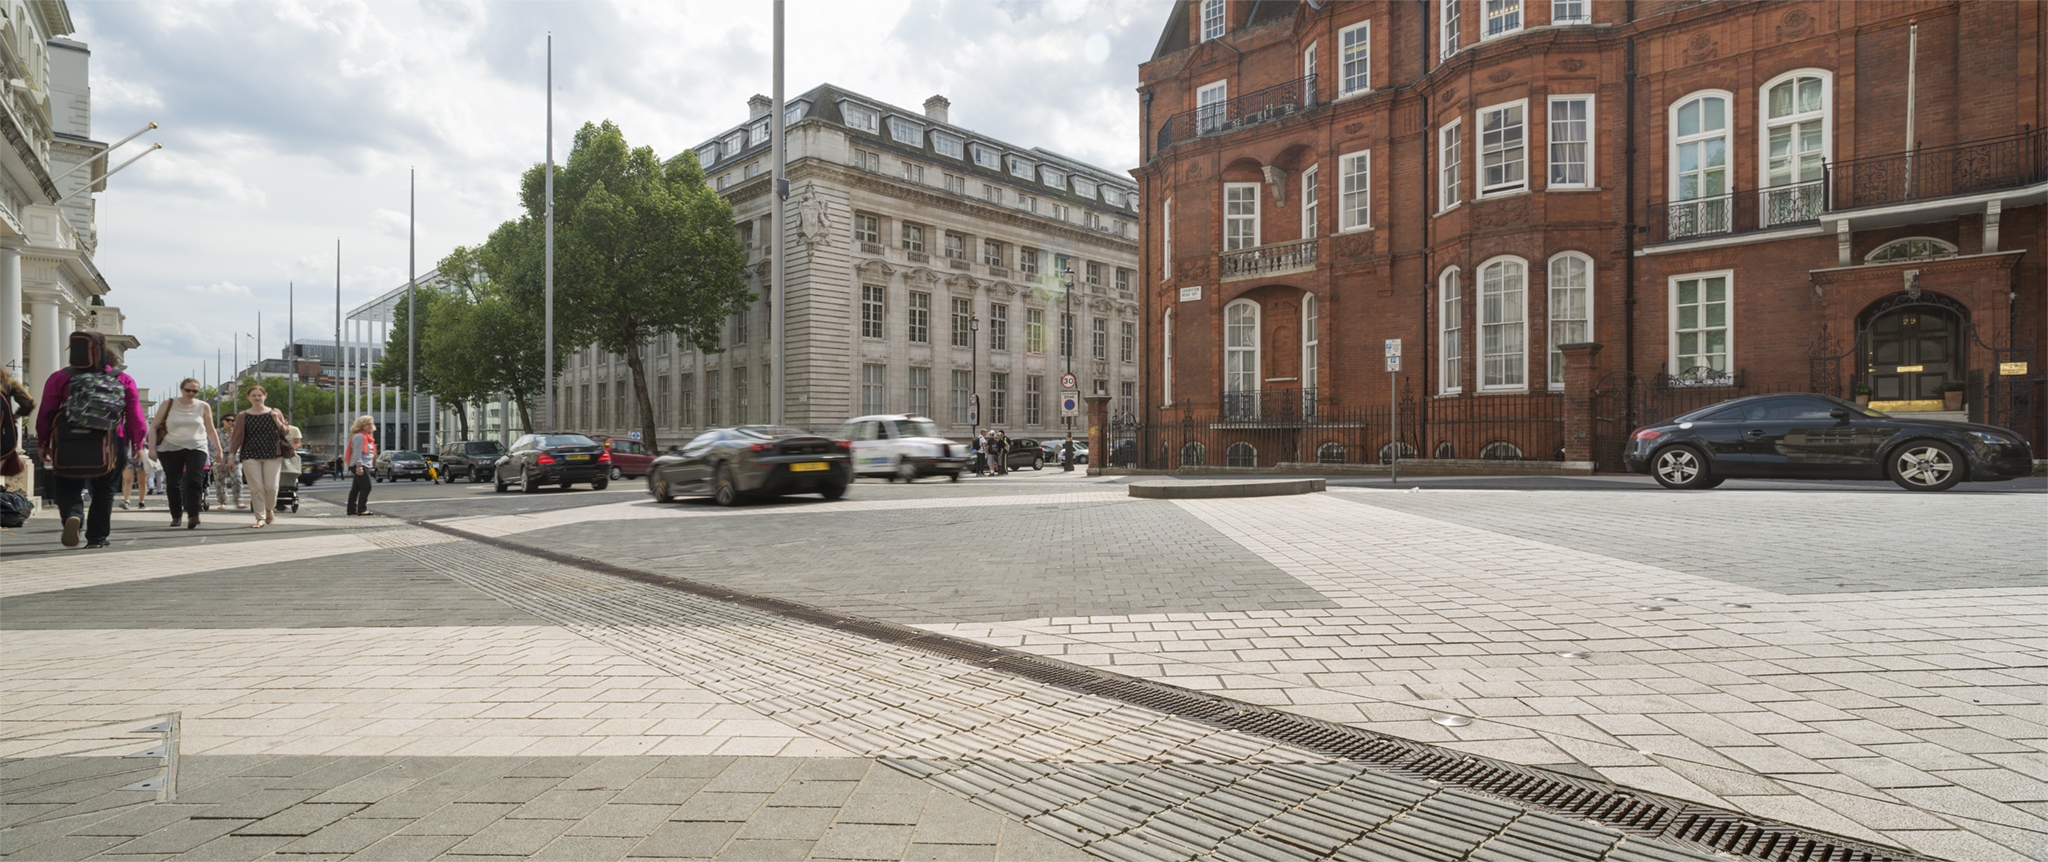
(11, 309)
(1098, 431)
(46, 340)
(1581, 372)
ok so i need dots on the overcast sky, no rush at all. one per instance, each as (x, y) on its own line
(288, 125)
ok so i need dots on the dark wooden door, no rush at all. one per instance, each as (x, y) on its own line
(1912, 350)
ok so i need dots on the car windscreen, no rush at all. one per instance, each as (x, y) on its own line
(916, 428)
(406, 456)
(483, 449)
(550, 441)
(771, 431)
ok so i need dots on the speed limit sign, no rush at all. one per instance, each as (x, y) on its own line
(1069, 381)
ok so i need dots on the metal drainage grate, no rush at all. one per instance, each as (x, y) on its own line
(1646, 815)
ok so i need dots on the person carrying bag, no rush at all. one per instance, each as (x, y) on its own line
(91, 426)
(182, 435)
(357, 459)
(259, 446)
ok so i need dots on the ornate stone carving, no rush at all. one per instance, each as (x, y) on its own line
(1450, 96)
(1701, 47)
(1572, 64)
(1504, 214)
(1353, 128)
(1193, 171)
(814, 221)
(1500, 75)
(1353, 245)
(1795, 24)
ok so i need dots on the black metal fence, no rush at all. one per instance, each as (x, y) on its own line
(1273, 103)
(1933, 172)
(1623, 402)
(1252, 430)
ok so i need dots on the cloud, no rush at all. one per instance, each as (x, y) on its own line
(219, 288)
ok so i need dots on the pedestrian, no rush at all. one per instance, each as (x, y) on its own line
(225, 482)
(91, 425)
(258, 447)
(15, 405)
(358, 458)
(979, 448)
(999, 453)
(135, 479)
(182, 435)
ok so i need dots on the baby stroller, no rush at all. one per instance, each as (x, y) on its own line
(288, 490)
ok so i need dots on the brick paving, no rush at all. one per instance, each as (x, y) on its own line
(356, 688)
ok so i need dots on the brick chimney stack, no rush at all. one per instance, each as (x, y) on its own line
(759, 105)
(935, 108)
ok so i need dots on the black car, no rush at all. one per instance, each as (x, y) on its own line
(550, 459)
(473, 460)
(399, 464)
(733, 464)
(311, 468)
(1821, 437)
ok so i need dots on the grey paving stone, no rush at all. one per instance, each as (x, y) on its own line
(586, 848)
(759, 850)
(616, 820)
(66, 848)
(1021, 843)
(411, 804)
(562, 805)
(667, 791)
(300, 820)
(720, 807)
(613, 772)
(140, 821)
(863, 841)
(220, 790)
(553, 767)
(753, 775)
(834, 769)
(901, 809)
(463, 818)
(950, 853)
(407, 848)
(255, 806)
(512, 838)
(686, 840)
(806, 824)
(705, 767)
(236, 848)
(813, 794)
(519, 790)
(350, 835)
(180, 837)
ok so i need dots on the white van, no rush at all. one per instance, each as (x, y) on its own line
(902, 446)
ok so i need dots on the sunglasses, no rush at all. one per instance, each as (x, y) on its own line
(191, 392)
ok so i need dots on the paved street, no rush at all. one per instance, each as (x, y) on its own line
(558, 675)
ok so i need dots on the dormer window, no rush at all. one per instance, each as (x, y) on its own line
(758, 132)
(861, 117)
(734, 143)
(947, 145)
(793, 112)
(1113, 197)
(1085, 188)
(987, 157)
(1053, 178)
(1212, 19)
(1020, 168)
(906, 132)
(706, 155)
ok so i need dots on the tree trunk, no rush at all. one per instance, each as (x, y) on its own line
(462, 418)
(633, 363)
(525, 410)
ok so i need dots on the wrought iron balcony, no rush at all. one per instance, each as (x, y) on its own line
(1263, 106)
(1739, 212)
(1924, 173)
(1269, 405)
(1274, 259)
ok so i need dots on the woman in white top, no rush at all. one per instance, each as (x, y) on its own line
(182, 435)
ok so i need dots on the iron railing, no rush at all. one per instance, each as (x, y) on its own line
(1739, 212)
(1934, 172)
(1273, 103)
(1291, 426)
(1269, 405)
(1274, 259)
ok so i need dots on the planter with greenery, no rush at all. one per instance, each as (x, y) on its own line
(1861, 392)
(1952, 394)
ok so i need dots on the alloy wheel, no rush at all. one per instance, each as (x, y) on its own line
(1679, 467)
(1925, 466)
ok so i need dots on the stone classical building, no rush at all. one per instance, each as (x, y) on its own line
(923, 270)
(1722, 197)
(48, 234)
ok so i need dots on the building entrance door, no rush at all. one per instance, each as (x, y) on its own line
(1912, 350)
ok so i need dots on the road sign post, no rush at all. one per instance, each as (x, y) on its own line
(1393, 408)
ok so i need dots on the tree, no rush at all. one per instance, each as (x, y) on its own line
(643, 248)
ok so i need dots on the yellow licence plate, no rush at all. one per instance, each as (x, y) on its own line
(805, 467)
(579, 457)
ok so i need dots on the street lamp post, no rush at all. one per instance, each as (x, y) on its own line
(974, 349)
(1067, 334)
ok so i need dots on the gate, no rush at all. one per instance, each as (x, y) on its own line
(1618, 405)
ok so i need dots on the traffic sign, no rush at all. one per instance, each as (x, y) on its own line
(1070, 403)
(974, 408)
(1069, 381)
(1394, 362)
(1393, 348)
(635, 435)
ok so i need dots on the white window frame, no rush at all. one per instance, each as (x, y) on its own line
(918, 318)
(872, 233)
(1311, 342)
(1212, 21)
(1166, 241)
(1211, 102)
(874, 388)
(999, 327)
(1241, 377)
(956, 245)
(1448, 29)
(1354, 199)
(1022, 169)
(1502, 9)
(1711, 218)
(1250, 191)
(1809, 199)
(1166, 358)
(861, 117)
(920, 389)
(950, 146)
(992, 253)
(1560, 9)
(1555, 285)
(1450, 176)
(1450, 328)
(988, 157)
(1308, 70)
(874, 311)
(1354, 60)
(913, 237)
(1727, 324)
(1053, 177)
(1516, 359)
(1127, 342)
(904, 131)
(1479, 149)
(1310, 226)
(1552, 142)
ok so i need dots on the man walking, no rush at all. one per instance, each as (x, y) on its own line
(91, 421)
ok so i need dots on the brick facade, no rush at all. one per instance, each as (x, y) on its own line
(1790, 245)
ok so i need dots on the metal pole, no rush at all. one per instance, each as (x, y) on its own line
(548, 327)
(777, 287)
(412, 411)
(291, 384)
(1912, 88)
(340, 426)
(1394, 426)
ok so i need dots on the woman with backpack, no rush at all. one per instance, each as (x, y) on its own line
(182, 434)
(358, 459)
(91, 425)
(259, 447)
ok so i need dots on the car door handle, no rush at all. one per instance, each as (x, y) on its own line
(1756, 432)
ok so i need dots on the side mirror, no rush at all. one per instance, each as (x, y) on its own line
(674, 448)
(1839, 413)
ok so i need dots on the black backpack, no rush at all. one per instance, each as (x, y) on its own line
(82, 445)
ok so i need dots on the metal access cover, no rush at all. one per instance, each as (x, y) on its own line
(1449, 720)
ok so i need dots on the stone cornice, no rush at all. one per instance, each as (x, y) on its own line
(918, 196)
(2004, 260)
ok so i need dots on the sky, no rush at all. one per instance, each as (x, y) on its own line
(287, 126)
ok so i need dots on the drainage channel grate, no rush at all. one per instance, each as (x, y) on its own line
(1646, 815)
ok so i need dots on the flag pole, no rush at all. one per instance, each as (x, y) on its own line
(548, 325)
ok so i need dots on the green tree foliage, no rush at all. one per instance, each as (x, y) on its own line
(475, 341)
(643, 248)
(300, 402)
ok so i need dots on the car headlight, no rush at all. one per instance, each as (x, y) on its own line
(1993, 439)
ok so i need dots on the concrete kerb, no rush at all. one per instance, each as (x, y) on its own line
(1209, 489)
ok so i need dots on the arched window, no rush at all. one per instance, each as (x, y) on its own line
(1240, 454)
(1911, 248)
(1699, 166)
(1503, 303)
(1797, 141)
(1241, 358)
(1571, 307)
(1397, 447)
(1330, 453)
(1500, 450)
(1191, 455)
(1310, 342)
(1450, 331)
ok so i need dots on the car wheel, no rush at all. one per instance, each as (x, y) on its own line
(659, 489)
(1680, 468)
(600, 484)
(906, 470)
(725, 490)
(498, 485)
(617, 473)
(833, 491)
(955, 475)
(566, 485)
(1926, 465)
(1038, 463)
(527, 485)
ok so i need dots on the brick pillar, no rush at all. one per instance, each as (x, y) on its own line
(1098, 432)
(1581, 372)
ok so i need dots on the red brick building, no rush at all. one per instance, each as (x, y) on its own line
(1727, 197)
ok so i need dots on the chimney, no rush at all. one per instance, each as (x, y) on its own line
(759, 105)
(935, 108)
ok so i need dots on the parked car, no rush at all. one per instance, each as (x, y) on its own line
(311, 468)
(1822, 437)
(630, 457)
(399, 464)
(734, 464)
(902, 446)
(473, 460)
(1025, 452)
(536, 460)
(1052, 451)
